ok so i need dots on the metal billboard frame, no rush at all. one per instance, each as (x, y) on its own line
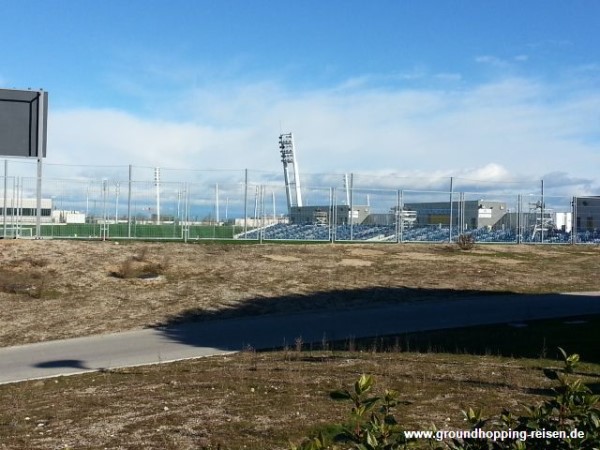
(23, 133)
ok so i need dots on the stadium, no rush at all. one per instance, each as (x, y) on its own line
(133, 207)
(401, 218)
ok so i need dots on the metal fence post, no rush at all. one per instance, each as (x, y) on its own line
(401, 216)
(104, 229)
(451, 198)
(351, 207)
(463, 225)
(129, 203)
(186, 213)
(5, 195)
(261, 213)
(334, 214)
(245, 203)
(542, 207)
(38, 218)
(519, 218)
(398, 216)
(330, 216)
(217, 215)
(574, 239)
(40, 157)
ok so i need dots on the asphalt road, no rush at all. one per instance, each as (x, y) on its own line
(193, 340)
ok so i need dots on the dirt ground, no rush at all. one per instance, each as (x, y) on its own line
(51, 289)
(253, 401)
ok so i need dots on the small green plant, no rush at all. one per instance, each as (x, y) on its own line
(570, 420)
(371, 426)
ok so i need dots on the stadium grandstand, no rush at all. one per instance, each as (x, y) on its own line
(426, 220)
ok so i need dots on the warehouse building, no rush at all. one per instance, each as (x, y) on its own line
(588, 213)
(472, 213)
(25, 210)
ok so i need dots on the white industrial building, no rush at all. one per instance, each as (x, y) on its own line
(24, 210)
(60, 216)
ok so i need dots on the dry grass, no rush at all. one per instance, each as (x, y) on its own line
(139, 266)
(60, 289)
(253, 400)
(26, 277)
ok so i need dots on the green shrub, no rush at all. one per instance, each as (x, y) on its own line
(572, 411)
(372, 424)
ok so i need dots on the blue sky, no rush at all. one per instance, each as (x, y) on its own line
(490, 91)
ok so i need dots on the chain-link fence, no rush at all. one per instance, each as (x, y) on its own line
(143, 204)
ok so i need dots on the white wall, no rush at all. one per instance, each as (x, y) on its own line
(563, 219)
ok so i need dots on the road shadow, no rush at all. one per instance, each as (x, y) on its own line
(335, 299)
(537, 339)
(400, 318)
(62, 363)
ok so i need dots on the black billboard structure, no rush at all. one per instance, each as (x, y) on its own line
(23, 133)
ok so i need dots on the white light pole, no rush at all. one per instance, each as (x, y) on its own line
(104, 230)
(178, 205)
(87, 204)
(104, 196)
(217, 204)
(117, 192)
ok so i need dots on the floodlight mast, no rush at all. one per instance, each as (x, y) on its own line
(292, 183)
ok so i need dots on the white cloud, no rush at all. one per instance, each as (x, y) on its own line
(449, 77)
(501, 63)
(489, 173)
(492, 61)
(512, 129)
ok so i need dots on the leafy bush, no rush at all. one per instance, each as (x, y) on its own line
(371, 425)
(573, 410)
